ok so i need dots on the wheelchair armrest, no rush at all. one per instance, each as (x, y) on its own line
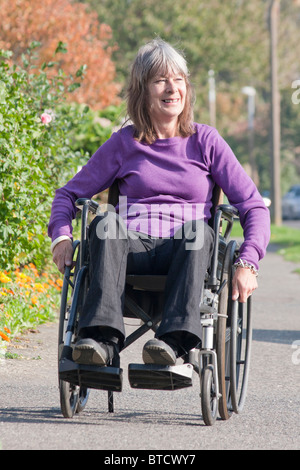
(85, 205)
(90, 203)
(228, 211)
(223, 212)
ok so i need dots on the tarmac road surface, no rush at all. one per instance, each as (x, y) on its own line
(30, 416)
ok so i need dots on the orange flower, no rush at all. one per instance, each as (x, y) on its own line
(4, 336)
(9, 291)
(4, 278)
(59, 282)
(7, 330)
(34, 300)
(39, 287)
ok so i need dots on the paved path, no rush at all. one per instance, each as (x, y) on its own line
(30, 416)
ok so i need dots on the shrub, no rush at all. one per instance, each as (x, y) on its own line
(97, 127)
(36, 154)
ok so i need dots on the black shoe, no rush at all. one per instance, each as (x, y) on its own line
(157, 351)
(90, 352)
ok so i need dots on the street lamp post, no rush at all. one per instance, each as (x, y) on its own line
(251, 92)
(212, 97)
(275, 114)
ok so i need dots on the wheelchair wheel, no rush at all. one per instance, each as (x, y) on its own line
(73, 398)
(240, 352)
(223, 334)
(234, 337)
(209, 400)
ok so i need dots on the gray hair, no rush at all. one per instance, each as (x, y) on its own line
(156, 57)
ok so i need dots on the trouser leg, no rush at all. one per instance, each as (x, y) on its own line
(192, 250)
(107, 268)
(109, 247)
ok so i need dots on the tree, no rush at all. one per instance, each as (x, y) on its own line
(213, 35)
(79, 31)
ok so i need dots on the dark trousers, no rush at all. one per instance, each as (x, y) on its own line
(114, 252)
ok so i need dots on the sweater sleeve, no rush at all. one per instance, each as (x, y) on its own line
(96, 176)
(242, 193)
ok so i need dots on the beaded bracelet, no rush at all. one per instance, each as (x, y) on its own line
(244, 264)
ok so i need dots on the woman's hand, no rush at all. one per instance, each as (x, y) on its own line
(63, 254)
(244, 282)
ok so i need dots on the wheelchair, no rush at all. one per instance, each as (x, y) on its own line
(222, 359)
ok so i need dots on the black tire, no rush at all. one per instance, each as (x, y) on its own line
(82, 399)
(240, 353)
(223, 334)
(69, 396)
(64, 308)
(209, 400)
(73, 398)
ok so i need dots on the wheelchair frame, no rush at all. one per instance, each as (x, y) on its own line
(222, 362)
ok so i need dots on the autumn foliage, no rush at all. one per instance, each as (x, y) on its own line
(86, 40)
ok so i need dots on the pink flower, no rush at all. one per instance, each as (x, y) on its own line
(46, 118)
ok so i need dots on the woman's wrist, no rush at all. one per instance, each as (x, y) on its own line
(241, 263)
(58, 240)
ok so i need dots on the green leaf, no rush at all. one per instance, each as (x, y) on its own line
(5, 54)
(34, 45)
(73, 87)
(25, 60)
(51, 64)
(80, 72)
(61, 47)
(3, 92)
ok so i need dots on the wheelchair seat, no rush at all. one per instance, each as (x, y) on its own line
(152, 283)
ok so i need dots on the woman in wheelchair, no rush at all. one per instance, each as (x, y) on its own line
(166, 167)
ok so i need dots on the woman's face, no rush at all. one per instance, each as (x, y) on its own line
(166, 97)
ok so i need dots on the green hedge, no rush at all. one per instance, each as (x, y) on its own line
(35, 158)
(96, 127)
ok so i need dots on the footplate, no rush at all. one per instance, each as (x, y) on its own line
(156, 377)
(89, 376)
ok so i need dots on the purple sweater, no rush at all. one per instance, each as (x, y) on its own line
(165, 184)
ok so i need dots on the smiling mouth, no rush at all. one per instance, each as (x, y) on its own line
(171, 101)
